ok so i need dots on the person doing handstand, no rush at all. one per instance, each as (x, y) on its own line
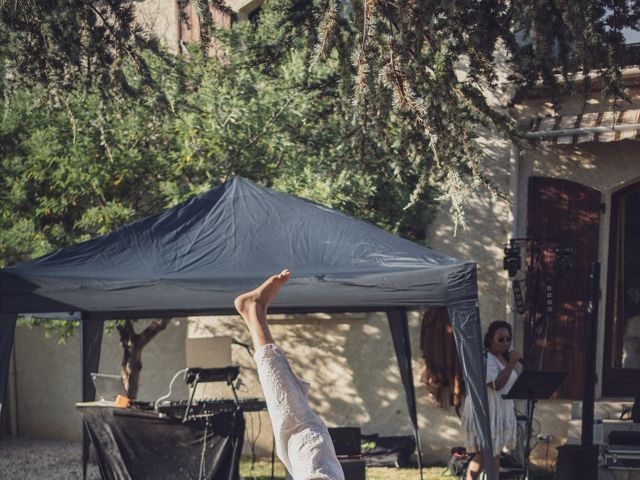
(302, 440)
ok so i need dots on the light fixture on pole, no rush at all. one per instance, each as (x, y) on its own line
(562, 263)
(512, 259)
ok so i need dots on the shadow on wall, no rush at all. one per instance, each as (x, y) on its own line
(376, 377)
(487, 229)
(348, 359)
(552, 418)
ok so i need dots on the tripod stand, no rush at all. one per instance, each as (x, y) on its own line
(533, 386)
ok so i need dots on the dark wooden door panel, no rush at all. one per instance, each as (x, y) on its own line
(561, 213)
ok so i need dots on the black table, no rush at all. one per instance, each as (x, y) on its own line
(134, 444)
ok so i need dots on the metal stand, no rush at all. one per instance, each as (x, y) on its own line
(533, 386)
(526, 464)
(194, 376)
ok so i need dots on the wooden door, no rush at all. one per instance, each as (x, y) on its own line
(561, 214)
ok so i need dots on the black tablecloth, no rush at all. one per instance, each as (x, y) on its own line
(138, 445)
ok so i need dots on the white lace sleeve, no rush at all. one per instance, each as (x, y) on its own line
(303, 443)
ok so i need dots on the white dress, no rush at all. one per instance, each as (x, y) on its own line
(504, 427)
(302, 440)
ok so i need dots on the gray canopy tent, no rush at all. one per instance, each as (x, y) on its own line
(194, 258)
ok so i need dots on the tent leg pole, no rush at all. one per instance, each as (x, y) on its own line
(90, 346)
(7, 331)
(465, 320)
(399, 326)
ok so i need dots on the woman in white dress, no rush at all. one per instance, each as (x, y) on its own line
(501, 376)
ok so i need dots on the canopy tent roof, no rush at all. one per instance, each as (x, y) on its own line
(197, 256)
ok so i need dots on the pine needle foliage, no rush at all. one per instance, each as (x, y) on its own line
(426, 67)
(66, 43)
(433, 64)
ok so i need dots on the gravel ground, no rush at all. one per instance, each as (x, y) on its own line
(25, 459)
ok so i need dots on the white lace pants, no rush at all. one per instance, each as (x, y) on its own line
(303, 443)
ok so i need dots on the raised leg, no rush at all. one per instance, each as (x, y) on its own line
(302, 441)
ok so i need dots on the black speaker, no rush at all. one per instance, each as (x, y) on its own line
(576, 462)
(346, 441)
(354, 468)
(624, 438)
(635, 410)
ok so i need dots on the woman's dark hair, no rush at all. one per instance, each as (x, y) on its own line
(493, 328)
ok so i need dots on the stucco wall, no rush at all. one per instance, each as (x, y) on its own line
(351, 364)
(486, 231)
(349, 360)
(607, 167)
(161, 18)
(48, 380)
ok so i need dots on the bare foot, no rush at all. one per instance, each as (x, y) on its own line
(262, 296)
(253, 305)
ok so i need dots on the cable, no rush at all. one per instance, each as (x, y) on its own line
(252, 437)
(554, 470)
(155, 404)
(202, 471)
(253, 440)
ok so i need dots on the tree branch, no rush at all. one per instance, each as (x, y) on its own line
(153, 329)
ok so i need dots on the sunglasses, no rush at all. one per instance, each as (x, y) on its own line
(503, 339)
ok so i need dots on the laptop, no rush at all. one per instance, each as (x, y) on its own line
(108, 387)
(208, 352)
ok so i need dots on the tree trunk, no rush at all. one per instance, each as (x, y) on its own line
(132, 344)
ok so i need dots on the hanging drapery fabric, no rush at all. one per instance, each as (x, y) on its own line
(442, 372)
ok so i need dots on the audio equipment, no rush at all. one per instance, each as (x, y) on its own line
(346, 441)
(635, 410)
(202, 408)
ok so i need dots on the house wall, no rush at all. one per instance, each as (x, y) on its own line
(48, 382)
(161, 18)
(485, 234)
(606, 167)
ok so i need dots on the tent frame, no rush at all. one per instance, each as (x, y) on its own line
(186, 261)
(91, 332)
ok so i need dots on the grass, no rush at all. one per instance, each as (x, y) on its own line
(262, 471)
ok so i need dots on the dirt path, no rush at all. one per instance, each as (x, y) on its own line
(25, 459)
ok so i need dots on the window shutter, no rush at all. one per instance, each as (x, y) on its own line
(560, 212)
